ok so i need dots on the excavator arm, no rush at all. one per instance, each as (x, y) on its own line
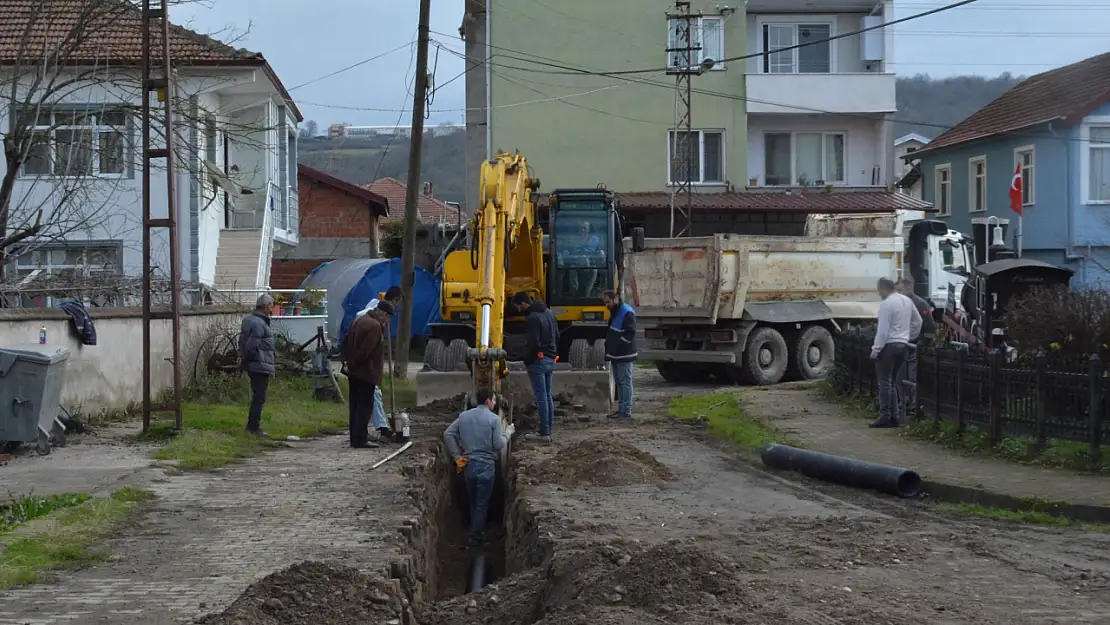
(505, 215)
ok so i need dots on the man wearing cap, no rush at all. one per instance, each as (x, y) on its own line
(392, 296)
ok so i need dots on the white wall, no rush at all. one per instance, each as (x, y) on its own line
(109, 375)
(862, 142)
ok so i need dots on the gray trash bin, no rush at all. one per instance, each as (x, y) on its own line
(31, 378)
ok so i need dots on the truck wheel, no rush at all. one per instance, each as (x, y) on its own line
(765, 357)
(434, 353)
(597, 354)
(812, 355)
(671, 371)
(579, 354)
(456, 355)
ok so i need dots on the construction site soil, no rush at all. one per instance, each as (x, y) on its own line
(656, 523)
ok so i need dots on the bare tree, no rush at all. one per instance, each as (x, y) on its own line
(66, 160)
(309, 130)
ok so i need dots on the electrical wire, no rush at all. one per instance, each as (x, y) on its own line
(350, 67)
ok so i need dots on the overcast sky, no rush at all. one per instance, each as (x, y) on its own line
(305, 40)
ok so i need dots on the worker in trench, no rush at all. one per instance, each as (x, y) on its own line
(475, 440)
(363, 363)
(392, 296)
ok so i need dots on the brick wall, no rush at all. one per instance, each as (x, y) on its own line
(333, 224)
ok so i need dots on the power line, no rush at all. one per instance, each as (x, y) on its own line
(352, 66)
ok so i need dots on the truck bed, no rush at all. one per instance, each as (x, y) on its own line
(698, 280)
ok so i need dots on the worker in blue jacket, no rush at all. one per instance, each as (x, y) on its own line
(620, 350)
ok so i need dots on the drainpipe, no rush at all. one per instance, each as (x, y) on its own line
(1069, 253)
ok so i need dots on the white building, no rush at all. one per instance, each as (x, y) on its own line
(235, 143)
(821, 114)
(907, 144)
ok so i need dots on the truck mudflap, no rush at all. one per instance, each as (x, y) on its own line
(687, 355)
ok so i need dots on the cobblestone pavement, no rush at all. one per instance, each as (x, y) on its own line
(209, 535)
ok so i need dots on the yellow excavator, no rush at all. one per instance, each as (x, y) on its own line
(480, 340)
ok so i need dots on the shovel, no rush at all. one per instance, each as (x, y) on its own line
(400, 430)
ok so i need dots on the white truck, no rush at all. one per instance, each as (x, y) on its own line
(758, 309)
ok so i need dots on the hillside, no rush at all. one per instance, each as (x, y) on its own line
(926, 106)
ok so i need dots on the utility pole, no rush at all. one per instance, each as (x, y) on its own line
(162, 84)
(408, 251)
(682, 50)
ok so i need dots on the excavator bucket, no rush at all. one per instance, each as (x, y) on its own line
(593, 390)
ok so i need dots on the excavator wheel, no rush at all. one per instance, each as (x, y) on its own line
(597, 354)
(579, 354)
(456, 355)
(434, 353)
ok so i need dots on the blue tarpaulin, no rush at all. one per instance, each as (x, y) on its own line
(380, 276)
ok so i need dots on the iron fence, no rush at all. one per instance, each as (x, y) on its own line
(1041, 397)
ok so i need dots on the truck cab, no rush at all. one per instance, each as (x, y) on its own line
(938, 258)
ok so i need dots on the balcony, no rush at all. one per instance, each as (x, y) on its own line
(802, 94)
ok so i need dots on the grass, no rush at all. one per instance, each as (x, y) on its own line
(1031, 516)
(30, 507)
(215, 419)
(67, 540)
(725, 418)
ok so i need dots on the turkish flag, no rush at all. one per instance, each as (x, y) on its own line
(1015, 190)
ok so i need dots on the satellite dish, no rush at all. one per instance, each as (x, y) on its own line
(708, 63)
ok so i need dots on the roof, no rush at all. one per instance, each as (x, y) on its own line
(818, 201)
(102, 32)
(1070, 93)
(913, 136)
(378, 204)
(428, 209)
(996, 267)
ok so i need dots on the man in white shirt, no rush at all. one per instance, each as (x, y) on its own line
(899, 323)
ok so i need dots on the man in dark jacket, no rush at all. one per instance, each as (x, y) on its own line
(539, 358)
(620, 350)
(363, 353)
(256, 357)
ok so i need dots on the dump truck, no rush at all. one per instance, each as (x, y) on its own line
(760, 309)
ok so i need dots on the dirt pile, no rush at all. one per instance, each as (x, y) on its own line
(604, 461)
(313, 593)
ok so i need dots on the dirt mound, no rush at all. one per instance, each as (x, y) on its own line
(606, 461)
(312, 593)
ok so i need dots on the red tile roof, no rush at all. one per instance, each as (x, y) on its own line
(815, 201)
(429, 209)
(378, 204)
(1070, 92)
(108, 32)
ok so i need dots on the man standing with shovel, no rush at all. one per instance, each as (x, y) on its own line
(364, 350)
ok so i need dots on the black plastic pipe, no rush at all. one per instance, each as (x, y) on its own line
(847, 471)
(478, 572)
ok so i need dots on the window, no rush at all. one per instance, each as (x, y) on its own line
(703, 150)
(804, 158)
(910, 149)
(952, 258)
(977, 184)
(1099, 167)
(1024, 156)
(707, 32)
(69, 261)
(815, 57)
(78, 142)
(942, 190)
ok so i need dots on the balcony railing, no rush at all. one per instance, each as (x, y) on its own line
(802, 94)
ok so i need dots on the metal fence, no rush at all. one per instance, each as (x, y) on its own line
(1045, 398)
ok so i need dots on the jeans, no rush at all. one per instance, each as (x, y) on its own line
(260, 383)
(622, 375)
(360, 403)
(540, 374)
(911, 378)
(479, 488)
(888, 368)
(377, 416)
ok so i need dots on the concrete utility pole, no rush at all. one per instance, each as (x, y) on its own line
(408, 248)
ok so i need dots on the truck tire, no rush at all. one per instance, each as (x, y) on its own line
(597, 354)
(671, 371)
(579, 355)
(456, 355)
(434, 353)
(812, 353)
(765, 357)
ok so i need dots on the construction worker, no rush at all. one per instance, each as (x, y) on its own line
(539, 358)
(377, 415)
(475, 441)
(363, 362)
(620, 350)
